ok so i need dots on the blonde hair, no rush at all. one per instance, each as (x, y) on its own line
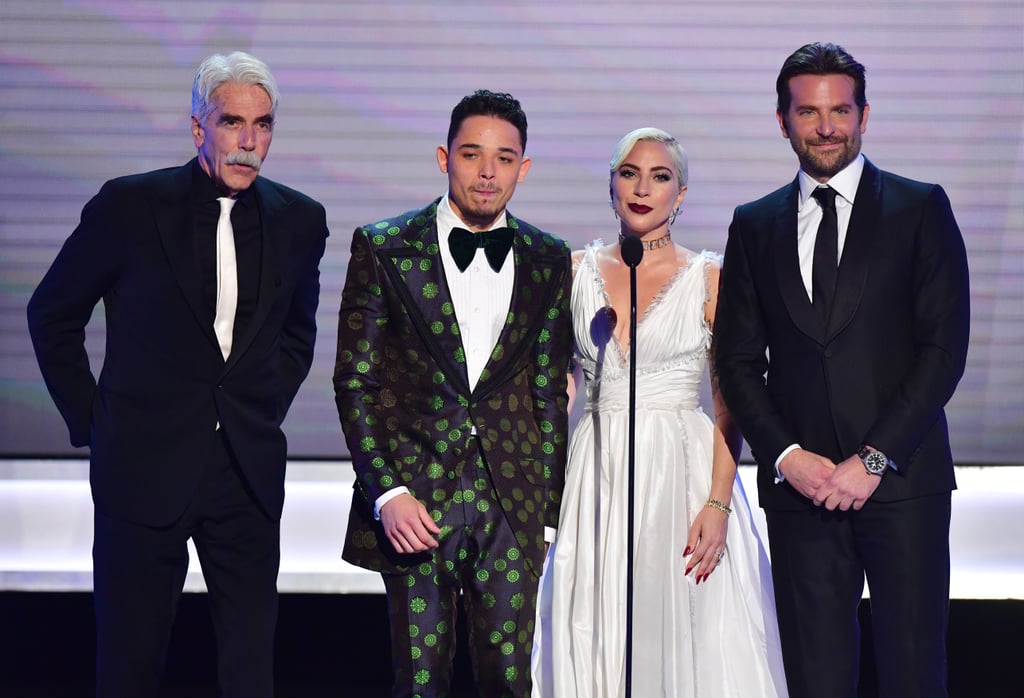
(649, 133)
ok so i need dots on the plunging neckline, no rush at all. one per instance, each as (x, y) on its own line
(656, 301)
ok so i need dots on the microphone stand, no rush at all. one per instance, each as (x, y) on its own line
(632, 251)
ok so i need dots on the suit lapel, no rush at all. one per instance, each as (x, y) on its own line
(857, 250)
(417, 273)
(175, 224)
(534, 288)
(787, 265)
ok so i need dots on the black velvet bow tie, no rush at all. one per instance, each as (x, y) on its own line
(496, 244)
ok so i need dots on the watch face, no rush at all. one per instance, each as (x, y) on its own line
(875, 462)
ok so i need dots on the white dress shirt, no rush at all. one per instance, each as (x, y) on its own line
(809, 213)
(481, 298)
(808, 217)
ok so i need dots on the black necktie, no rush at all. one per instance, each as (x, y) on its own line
(826, 253)
(496, 244)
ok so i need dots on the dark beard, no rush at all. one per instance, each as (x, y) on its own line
(825, 166)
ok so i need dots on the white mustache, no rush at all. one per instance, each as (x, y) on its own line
(244, 157)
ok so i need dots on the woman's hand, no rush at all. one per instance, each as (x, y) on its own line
(706, 543)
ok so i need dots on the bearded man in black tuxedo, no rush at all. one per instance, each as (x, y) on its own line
(842, 331)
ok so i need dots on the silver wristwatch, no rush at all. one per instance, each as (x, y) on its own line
(875, 462)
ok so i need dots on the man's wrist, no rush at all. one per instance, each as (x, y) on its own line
(779, 477)
(875, 462)
(387, 497)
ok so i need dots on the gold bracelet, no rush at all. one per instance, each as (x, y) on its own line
(715, 504)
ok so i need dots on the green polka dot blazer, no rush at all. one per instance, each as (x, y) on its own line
(403, 394)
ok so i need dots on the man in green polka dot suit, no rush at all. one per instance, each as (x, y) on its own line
(453, 345)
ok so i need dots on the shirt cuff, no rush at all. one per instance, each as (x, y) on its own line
(549, 534)
(387, 497)
(778, 473)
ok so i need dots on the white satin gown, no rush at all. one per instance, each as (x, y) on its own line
(714, 640)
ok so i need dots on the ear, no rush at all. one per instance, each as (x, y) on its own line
(524, 167)
(198, 136)
(782, 123)
(864, 118)
(442, 158)
(682, 195)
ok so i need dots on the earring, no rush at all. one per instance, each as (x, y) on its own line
(672, 218)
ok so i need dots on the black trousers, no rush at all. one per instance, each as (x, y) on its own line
(139, 571)
(819, 563)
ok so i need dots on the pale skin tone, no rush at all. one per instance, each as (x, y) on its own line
(242, 120)
(484, 165)
(824, 125)
(645, 190)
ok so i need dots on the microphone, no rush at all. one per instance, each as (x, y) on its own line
(632, 250)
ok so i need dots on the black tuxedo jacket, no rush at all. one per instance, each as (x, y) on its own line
(890, 358)
(150, 418)
(403, 393)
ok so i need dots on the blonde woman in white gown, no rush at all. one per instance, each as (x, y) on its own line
(704, 619)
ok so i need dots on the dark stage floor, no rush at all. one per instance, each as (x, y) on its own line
(336, 645)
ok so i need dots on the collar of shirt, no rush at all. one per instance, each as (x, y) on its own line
(845, 183)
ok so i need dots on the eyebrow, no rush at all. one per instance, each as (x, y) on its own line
(227, 116)
(477, 146)
(814, 107)
(656, 167)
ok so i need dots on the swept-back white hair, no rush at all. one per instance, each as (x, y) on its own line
(238, 67)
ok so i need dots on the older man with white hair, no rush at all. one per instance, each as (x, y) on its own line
(209, 277)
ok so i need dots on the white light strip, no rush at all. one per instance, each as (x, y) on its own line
(46, 530)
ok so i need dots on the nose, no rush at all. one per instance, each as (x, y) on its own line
(487, 168)
(642, 186)
(825, 126)
(247, 138)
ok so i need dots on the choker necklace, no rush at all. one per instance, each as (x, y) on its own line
(653, 244)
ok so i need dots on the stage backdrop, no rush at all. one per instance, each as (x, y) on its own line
(93, 89)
